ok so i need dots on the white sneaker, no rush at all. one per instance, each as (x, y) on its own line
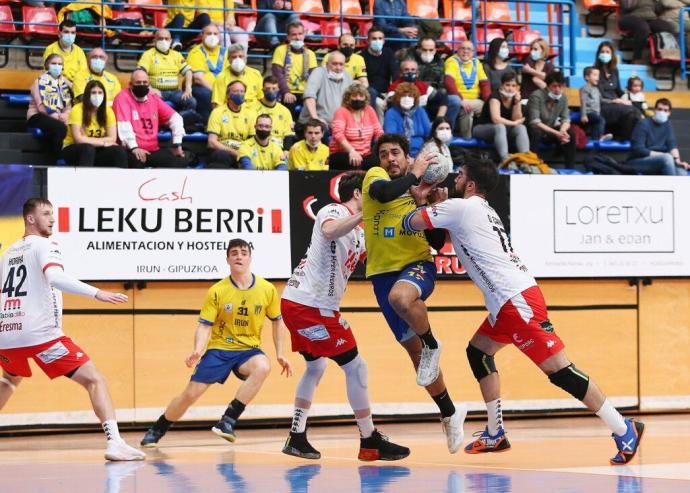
(119, 450)
(427, 371)
(452, 427)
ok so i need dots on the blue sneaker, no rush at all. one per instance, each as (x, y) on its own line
(225, 428)
(151, 438)
(487, 443)
(628, 443)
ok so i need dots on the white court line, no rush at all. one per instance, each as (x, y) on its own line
(678, 471)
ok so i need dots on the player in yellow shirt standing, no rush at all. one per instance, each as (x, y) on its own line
(310, 154)
(292, 63)
(259, 152)
(207, 60)
(237, 69)
(164, 67)
(354, 63)
(97, 60)
(401, 269)
(72, 56)
(283, 132)
(229, 338)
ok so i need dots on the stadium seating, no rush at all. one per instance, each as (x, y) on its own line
(423, 8)
(8, 32)
(598, 12)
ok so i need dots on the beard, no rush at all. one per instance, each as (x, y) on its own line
(458, 193)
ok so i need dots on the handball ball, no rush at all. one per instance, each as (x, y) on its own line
(437, 172)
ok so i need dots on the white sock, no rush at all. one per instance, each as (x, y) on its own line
(299, 420)
(366, 426)
(612, 418)
(111, 431)
(495, 416)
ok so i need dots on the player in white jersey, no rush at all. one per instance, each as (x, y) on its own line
(310, 305)
(517, 310)
(32, 279)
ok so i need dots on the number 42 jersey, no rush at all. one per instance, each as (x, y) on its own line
(30, 308)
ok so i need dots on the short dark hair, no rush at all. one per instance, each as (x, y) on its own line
(555, 77)
(426, 38)
(588, 70)
(349, 183)
(508, 77)
(31, 204)
(665, 102)
(67, 23)
(481, 171)
(263, 115)
(270, 79)
(293, 25)
(376, 29)
(232, 83)
(391, 138)
(632, 80)
(238, 243)
(313, 122)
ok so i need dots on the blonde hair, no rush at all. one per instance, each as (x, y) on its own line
(355, 89)
(541, 42)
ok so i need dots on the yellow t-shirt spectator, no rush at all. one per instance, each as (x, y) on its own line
(184, 7)
(355, 66)
(209, 62)
(164, 69)
(262, 157)
(74, 60)
(110, 82)
(293, 63)
(302, 159)
(231, 127)
(283, 125)
(215, 12)
(251, 78)
(473, 71)
(93, 129)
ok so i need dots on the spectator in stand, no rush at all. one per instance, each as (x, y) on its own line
(291, 65)
(470, 82)
(206, 60)
(50, 103)
(324, 91)
(445, 99)
(441, 135)
(620, 115)
(355, 128)
(236, 69)
(184, 15)
(382, 69)
(228, 126)
(590, 106)
(97, 60)
(639, 19)
(73, 57)
(409, 72)
(654, 147)
(259, 152)
(406, 117)
(536, 68)
(274, 23)
(634, 93)
(214, 9)
(354, 63)
(392, 17)
(548, 118)
(139, 112)
(496, 63)
(92, 132)
(283, 132)
(501, 120)
(310, 154)
(164, 67)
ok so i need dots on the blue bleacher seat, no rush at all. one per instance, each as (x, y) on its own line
(36, 132)
(196, 137)
(614, 145)
(17, 99)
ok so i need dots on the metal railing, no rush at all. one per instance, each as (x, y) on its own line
(682, 44)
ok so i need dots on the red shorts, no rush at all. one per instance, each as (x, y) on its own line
(523, 321)
(316, 331)
(56, 358)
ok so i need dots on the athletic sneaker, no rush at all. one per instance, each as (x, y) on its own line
(427, 371)
(628, 443)
(379, 447)
(298, 445)
(487, 443)
(452, 427)
(151, 438)
(119, 450)
(225, 428)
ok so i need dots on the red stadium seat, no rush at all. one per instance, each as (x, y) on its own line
(132, 35)
(457, 10)
(39, 15)
(495, 11)
(310, 8)
(481, 42)
(334, 29)
(598, 12)
(522, 39)
(423, 8)
(453, 36)
(146, 4)
(8, 31)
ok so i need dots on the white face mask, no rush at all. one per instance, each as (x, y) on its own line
(660, 116)
(163, 45)
(406, 102)
(427, 57)
(507, 94)
(444, 136)
(555, 97)
(211, 40)
(504, 53)
(237, 65)
(297, 44)
(336, 75)
(96, 99)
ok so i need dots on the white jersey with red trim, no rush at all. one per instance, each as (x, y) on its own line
(483, 246)
(30, 308)
(320, 278)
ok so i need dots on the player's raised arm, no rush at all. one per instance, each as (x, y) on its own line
(279, 331)
(333, 229)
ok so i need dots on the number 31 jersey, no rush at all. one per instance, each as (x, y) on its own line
(30, 308)
(481, 242)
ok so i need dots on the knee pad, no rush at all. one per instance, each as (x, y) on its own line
(481, 363)
(346, 357)
(316, 369)
(571, 380)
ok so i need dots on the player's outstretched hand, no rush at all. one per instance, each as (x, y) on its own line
(438, 195)
(110, 297)
(421, 192)
(286, 367)
(191, 360)
(422, 162)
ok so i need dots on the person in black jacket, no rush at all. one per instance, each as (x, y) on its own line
(382, 68)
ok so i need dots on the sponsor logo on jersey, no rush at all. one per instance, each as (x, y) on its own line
(340, 342)
(12, 304)
(388, 232)
(517, 339)
(228, 308)
(546, 326)
(550, 343)
(315, 333)
(257, 309)
(4, 359)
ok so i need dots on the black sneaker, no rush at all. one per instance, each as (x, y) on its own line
(298, 445)
(151, 438)
(378, 447)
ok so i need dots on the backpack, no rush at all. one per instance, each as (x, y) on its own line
(600, 164)
(666, 46)
(580, 136)
(528, 162)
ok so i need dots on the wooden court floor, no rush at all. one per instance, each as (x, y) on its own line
(548, 455)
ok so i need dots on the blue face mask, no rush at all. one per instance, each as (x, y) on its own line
(271, 95)
(536, 55)
(504, 53)
(409, 77)
(97, 65)
(69, 39)
(376, 45)
(660, 116)
(604, 57)
(238, 99)
(55, 70)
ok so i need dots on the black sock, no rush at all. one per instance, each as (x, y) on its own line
(162, 424)
(234, 410)
(429, 340)
(444, 403)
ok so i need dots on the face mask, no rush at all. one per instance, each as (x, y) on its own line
(271, 95)
(238, 99)
(427, 57)
(660, 116)
(237, 65)
(55, 70)
(140, 91)
(347, 51)
(358, 104)
(504, 53)
(336, 75)
(444, 135)
(409, 77)
(69, 39)
(163, 45)
(297, 44)
(555, 97)
(604, 57)
(406, 102)
(211, 41)
(97, 65)
(376, 45)
(96, 99)
(536, 55)
(263, 134)
(507, 94)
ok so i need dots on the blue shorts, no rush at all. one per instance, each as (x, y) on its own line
(422, 275)
(216, 364)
